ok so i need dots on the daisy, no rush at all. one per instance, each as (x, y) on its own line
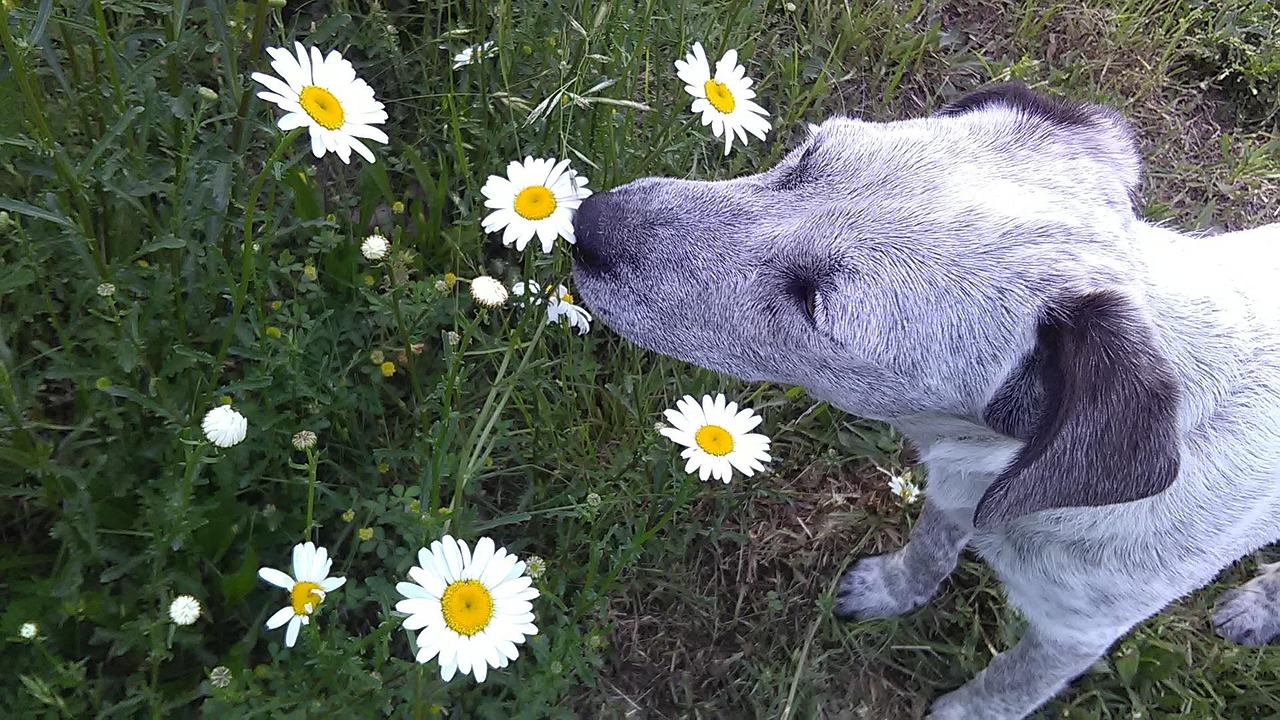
(184, 610)
(560, 305)
(537, 197)
(374, 247)
(716, 437)
(472, 608)
(324, 95)
(224, 426)
(723, 99)
(307, 588)
(904, 487)
(473, 54)
(488, 292)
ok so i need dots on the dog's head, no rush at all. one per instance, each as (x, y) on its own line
(975, 263)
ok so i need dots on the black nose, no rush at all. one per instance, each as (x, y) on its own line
(590, 231)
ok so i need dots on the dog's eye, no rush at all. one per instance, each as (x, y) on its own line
(809, 295)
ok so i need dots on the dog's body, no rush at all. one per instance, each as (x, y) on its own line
(1096, 399)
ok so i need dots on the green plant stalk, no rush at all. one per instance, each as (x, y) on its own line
(194, 456)
(255, 52)
(313, 461)
(489, 415)
(246, 265)
(73, 192)
(104, 37)
(408, 348)
(446, 409)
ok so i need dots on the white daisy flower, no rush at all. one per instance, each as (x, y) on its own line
(560, 305)
(324, 95)
(474, 54)
(723, 99)
(717, 437)
(904, 487)
(29, 631)
(224, 426)
(184, 610)
(472, 608)
(537, 197)
(374, 247)
(488, 292)
(307, 588)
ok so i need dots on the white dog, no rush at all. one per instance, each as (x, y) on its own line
(1096, 399)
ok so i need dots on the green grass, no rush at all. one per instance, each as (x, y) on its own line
(668, 598)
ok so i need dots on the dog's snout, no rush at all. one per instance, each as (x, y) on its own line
(590, 231)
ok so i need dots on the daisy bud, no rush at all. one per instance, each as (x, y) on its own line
(220, 677)
(304, 440)
(207, 94)
(29, 631)
(106, 290)
(488, 292)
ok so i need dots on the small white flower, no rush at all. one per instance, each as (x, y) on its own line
(473, 54)
(106, 290)
(723, 99)
(374, 247)
(488, 292)
(904, 487)
(307, 588)
(323, 94)
(472, 608)
(184, 610)
(562, 307)
(537, 567)
(29, 631)
(224, 426)
(537, 197)
(560, 304)
(717, 437)
(220, 676)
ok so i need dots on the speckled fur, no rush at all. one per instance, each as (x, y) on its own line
(935, 247)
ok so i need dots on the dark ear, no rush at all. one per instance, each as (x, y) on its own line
(1097, 406)
(1019, 96)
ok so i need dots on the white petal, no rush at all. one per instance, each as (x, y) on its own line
(279, 617)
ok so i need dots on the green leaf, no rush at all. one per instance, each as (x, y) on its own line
(236, 586)
(308, 202)
(30, 210)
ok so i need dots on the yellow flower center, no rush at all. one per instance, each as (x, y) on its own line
(714, 439)
(305, 597)
(322, 106)
(567, 297)
(535, 203)
(467, 606)
(719, 96)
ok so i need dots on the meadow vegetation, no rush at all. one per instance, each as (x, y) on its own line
(163, 247)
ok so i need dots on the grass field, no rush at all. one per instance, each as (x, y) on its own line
(133, 153)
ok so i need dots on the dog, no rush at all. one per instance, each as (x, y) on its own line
(1095, 398)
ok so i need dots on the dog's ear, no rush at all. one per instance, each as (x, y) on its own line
(1084, 131)
(1097, 405)
(1018, 96)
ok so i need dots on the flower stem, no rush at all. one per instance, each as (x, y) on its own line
(313, 461)
(246, 265)
(255, 52)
